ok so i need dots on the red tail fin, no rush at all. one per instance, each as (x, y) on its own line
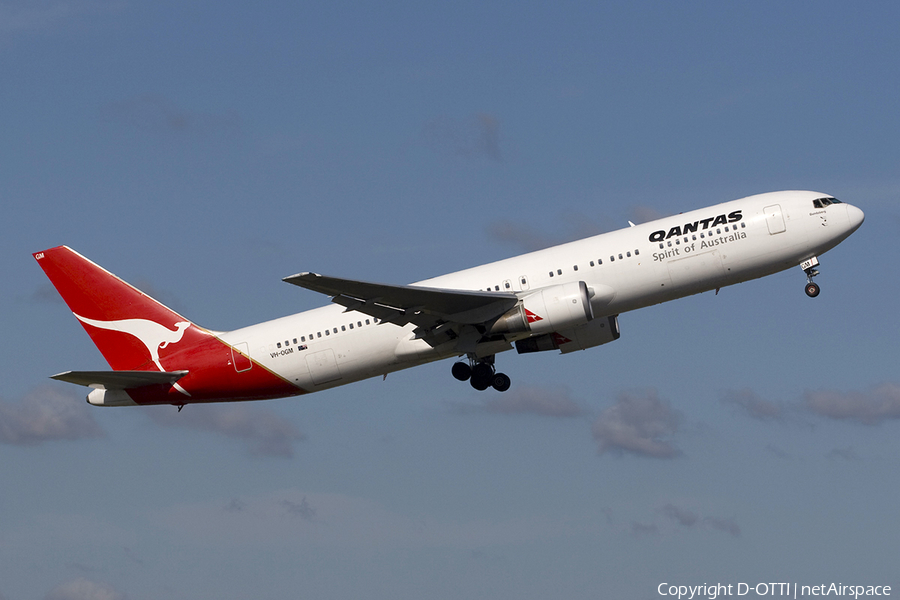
(131, 329)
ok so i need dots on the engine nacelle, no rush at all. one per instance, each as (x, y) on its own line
(595, 333)
(547, 310)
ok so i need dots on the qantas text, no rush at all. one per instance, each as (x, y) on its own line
(703, 224)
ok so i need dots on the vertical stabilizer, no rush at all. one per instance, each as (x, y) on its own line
(131, 329)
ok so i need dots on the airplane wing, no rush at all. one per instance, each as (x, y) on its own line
(428, 308)
(119, 380)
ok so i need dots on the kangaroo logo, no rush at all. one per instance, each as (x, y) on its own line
(153, 335)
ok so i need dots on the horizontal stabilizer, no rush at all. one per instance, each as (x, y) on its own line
(119, 380)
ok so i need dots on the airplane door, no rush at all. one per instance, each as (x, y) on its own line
(240, 357)
(322, 367)
(774, 219)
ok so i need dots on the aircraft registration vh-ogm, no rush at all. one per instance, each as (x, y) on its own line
(564, 298)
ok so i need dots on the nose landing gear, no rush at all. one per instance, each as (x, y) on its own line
(481, 374)
(809, 267)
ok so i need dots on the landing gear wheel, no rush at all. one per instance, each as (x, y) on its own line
(809, 267)
(480, 383)
(461, 371)
(482, 375)
(482, 371)
(500, 382)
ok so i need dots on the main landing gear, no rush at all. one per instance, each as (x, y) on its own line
(481, 374)
(809, 267)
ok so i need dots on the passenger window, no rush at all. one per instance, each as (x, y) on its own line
(592, 263)
(359, 323)
(636, 251)
(551, 273)
(574, 267)
(612, 259)
(327, 332)
(599, 261)
(620, 257)
(278, 345)
(335, 329)
(343, 328)
(559, 271)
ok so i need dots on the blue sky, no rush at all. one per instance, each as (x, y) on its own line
(204, 151)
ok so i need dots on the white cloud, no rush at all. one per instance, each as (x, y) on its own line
(527, 400)
(749, 403)
(728, 526)
(643, 214)
(84, 589)
(36, 15)
(520, 235)
(289, 517)
(151, 112)
(639, 423)
(870, 408)
(848, 454)
(265, 432)
(44, 415)
(682, 516)
(644, 529)
(690, 520)
(576, 226)
(477, 136)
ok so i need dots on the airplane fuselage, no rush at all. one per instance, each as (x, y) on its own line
(567, 297)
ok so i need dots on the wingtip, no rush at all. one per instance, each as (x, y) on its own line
(300, 276)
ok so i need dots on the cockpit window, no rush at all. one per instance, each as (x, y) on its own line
(823, 202)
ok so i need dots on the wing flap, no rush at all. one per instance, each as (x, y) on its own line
(119, 380)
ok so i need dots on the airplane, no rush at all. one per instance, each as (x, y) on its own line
(565, 298)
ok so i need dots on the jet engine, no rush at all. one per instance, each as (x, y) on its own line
(548, 309)
(595, 333)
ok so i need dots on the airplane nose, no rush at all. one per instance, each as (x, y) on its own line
(855, 216)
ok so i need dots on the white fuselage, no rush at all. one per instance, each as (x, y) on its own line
(626, 269)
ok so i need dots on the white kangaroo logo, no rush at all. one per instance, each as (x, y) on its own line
(153, 335)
